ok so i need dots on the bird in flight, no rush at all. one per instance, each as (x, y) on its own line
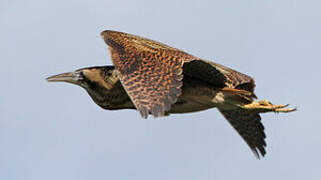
(158, 80)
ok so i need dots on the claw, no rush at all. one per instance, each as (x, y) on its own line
(285, 110)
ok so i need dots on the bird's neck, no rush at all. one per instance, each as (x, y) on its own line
(115, 98)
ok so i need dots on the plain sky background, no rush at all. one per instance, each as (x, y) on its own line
(54, 131)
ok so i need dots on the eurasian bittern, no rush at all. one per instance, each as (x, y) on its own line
(157, 79)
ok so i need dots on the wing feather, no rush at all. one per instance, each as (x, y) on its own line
(248, 125)
(151, 72)
(218, 75)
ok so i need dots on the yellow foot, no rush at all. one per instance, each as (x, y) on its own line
(266, 106)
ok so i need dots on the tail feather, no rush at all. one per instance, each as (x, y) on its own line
(239, 95)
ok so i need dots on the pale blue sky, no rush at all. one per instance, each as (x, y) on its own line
(54, 131)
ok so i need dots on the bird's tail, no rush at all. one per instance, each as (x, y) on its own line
(239, 95)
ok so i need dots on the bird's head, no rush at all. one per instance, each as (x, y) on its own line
(88, 78)
(101, 83)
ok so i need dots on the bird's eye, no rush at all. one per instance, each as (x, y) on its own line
(80, 75)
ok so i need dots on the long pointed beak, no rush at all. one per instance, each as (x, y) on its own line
(64, 77)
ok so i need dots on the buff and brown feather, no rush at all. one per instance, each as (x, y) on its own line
(151, 72)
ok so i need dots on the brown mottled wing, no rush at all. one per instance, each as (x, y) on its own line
(151, 72)
(248, 125)
(218, 75)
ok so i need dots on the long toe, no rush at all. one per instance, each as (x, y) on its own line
(285, 110)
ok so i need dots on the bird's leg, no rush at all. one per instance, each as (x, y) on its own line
(266, 106)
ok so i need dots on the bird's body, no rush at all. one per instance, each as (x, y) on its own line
(157, 79)
(107, 92)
